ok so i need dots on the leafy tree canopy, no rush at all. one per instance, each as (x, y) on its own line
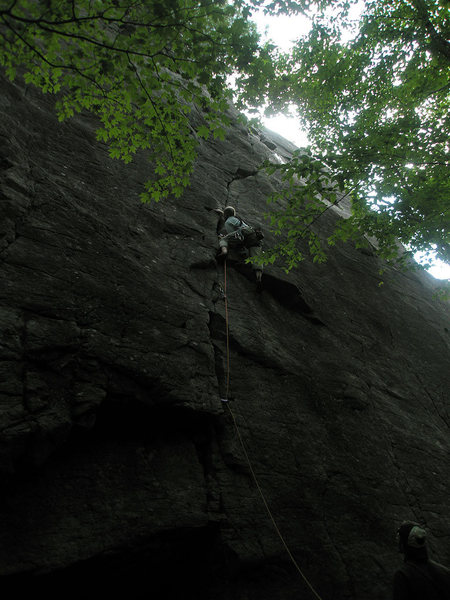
(377, 111)
(140, 65)
(376, 107)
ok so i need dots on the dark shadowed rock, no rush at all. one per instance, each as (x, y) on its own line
(122, 470)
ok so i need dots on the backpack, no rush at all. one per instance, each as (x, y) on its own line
(254, 232)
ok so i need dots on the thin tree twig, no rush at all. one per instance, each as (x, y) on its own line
(141, 83)
(53, 65)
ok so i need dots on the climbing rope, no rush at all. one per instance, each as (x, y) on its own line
(255, 479)
(226, 326)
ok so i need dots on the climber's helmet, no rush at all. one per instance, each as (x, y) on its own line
(411, 535)
(229, 211)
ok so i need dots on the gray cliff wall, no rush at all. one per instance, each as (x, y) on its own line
(120, 465)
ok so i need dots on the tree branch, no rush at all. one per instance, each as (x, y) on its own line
(152, 102)
(102, 17)
(53, 65)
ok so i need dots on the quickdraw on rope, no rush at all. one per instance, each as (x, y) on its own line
(255, 479)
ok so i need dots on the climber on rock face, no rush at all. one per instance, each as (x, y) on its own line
(233, 232)
(419, 578)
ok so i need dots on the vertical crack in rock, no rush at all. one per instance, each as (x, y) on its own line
(217, 329)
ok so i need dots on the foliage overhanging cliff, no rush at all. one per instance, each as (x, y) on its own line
(375, 106)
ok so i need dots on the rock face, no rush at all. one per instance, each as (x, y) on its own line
(122, 471)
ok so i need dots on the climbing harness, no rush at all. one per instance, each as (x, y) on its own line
(255, 479)
(235, 235)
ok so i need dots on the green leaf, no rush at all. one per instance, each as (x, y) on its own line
(203, 132)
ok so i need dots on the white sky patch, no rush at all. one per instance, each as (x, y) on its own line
(439, 269)
(288, 127)
(284, 30)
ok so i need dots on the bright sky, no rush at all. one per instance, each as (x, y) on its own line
(283, 31)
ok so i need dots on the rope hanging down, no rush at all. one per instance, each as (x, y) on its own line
(226, 325)
(255, 479)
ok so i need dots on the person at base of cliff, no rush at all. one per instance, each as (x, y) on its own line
(235, 233)
(419, 578)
